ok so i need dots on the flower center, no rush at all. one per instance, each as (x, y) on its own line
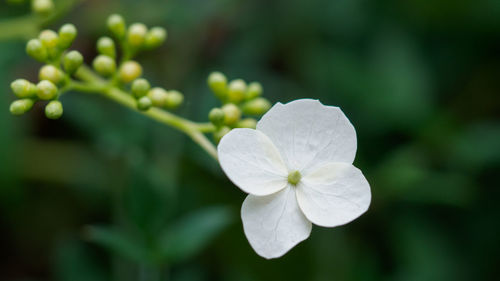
(294, 177)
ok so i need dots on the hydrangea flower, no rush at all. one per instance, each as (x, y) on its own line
(297, 168)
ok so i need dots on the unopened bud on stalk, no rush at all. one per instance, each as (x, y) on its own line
(23, 88)
(104, 65)
(72, 61)
(20, 107)
(247, 123)
(144, 103)
(216, 116)
(129, 71)
(174, 99)
(67, 34)
(256, 106)
(232, 114)
(236, 91)
(42, 7)
(116, 25)
(36, 50)
(158, 96)
(220, 133)
(218, 84)
(155, 37)
(106, 46)
(49, 38)
(254, 90)
(136, 34)
(140, 87)
(46, 90)
(51, 73)
(54, 110)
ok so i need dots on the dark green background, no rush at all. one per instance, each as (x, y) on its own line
(420, 81)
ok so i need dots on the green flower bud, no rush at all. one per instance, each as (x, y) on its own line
(256, 106)
(42, 7)
(67, 34)
(155, 37)
(36, 50)
(174, 99)
(222, 131)
(158, 96)
(49, 38)
(106, 46)
(137, 34)
(216, 116)
(20, 107)
(247, 123)
(129, 71)
(104, 65)
(72, 61)
(144, 103)
(46, 90)
(254, 90)
(232, 114)
(51, 73)
(23, 88)
(54, 110)
(236, 90)
(116, 25)
(140, 87)
(218, 84)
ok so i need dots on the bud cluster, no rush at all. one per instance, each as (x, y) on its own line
(238, 99)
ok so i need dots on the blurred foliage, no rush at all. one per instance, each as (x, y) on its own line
(418, 79)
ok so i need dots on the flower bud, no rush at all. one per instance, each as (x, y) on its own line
(140, 87)
(106, 46)
(158, 96)
(216, 116)
(136, 34)
(51, 73)
(23, 88)
(247, 123)
(36, 50)
(72, 61)
(46, 90)
(174, 99)
(49, 38)
(104, 65)
(116, 25)
(220, 133)
(144, 103)
(155, 37)
(231, 113)
(256, 106)
(20, 107)
(54, 110)
(67, 34)
(129, 71)
(42, 7)
(218, 84)
(236, 91)
(254, 90)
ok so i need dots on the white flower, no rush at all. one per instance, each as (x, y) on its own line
(297, 168)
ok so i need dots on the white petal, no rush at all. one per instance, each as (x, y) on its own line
(334, 194)
(307, 132)
(252, 162)
(274, 224)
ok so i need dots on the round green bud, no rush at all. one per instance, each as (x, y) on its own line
(216, 116)
(67, 34)
(236, 91)
(174, 99)
(254, 90)
(247, 123)
(20, 107)
(49, 38)
(36, 50)
(116, 25)
(222, 131)
(51, 73)
(144, 103)
(106, 46)
(104, 65)
(218, 84)
(54, 110)
(140, 87)
(42, 7)
(72, 61)
(256, 106)
(137, 34)
(23, 88)
(232, 114)
(158, 96)
(129, 71)
(155, 37)
(46, 90)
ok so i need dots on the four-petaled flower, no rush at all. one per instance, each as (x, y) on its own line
(297, 168)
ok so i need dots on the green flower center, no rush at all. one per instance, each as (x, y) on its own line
(294, 177)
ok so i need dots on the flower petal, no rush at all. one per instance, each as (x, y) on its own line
(252, 162)
(306, 131)
(334, 194)
(274, 224)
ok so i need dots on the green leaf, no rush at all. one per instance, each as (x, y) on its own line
(192, 233)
